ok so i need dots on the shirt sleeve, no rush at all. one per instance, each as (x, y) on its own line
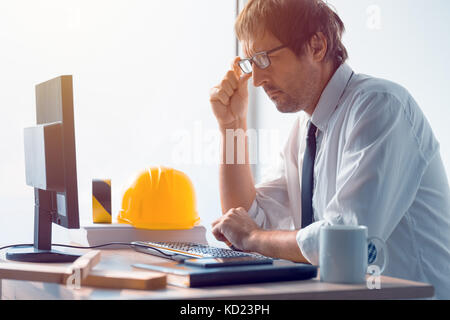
(386, 150)
(272, 198)
(271, 208)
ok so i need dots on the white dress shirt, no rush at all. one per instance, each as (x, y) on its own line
(377, 164)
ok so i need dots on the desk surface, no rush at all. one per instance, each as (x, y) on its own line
(390, 288)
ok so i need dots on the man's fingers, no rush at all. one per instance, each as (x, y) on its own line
(232, 79)
(216, 222)
(226, 86)
(218, 234)
(230, 83)
(241, 210)
(223, 97)
(219, 94)
(216, 231)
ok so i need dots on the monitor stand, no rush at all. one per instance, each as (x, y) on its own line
(42, 250)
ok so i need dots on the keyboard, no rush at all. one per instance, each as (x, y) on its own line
(186, 250)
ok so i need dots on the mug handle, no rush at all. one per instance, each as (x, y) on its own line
(384, 248)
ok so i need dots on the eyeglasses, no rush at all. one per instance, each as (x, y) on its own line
(261, 59)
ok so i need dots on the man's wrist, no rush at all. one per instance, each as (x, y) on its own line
(237, 124)
(254, 240)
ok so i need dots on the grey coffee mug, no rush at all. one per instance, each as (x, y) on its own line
(343, 253)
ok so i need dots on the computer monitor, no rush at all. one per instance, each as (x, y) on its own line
(50, 167)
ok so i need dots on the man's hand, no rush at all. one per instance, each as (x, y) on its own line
(229, 99)
(236, 227)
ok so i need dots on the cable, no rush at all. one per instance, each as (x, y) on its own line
(112, 244)
(93, 247)
(16, 245)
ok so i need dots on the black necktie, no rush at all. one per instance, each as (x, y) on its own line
(308, 175)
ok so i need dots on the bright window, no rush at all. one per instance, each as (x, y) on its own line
(142, 72)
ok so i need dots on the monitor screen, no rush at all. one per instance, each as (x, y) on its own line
(54, 104)
(50, 168)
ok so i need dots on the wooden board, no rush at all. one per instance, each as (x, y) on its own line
(48, 272)
(30, 272)
(80, 273)
(125, 279)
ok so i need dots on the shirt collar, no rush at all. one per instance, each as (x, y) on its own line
(330, 96)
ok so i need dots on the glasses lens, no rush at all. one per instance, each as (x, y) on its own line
(245, 65)
(261, 60)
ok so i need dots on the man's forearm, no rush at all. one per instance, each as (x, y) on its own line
(276, 243)
(237, 188)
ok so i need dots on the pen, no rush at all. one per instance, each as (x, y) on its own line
(232, 247)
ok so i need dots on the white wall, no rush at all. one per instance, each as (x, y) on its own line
(142, 71)
(405, 41)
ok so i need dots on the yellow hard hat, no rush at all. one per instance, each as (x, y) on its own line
(160, 198)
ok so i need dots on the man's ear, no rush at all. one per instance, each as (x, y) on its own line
(318, 46)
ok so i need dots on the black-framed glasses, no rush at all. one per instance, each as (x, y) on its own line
(261, 59)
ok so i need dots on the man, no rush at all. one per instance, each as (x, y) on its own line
(361, 152)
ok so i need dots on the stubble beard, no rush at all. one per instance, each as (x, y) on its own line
(299, 98)
(287, 103)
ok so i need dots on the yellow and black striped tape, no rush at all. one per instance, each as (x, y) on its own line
(101, 201)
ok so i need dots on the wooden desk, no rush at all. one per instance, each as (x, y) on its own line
(391, 288)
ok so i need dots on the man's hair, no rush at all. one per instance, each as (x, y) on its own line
(293, 22)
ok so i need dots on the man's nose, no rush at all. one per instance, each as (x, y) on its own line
(259, 76)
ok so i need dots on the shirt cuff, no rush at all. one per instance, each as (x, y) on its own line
(308, 241)
(256, 213)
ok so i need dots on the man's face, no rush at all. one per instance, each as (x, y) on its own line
(291, 82)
